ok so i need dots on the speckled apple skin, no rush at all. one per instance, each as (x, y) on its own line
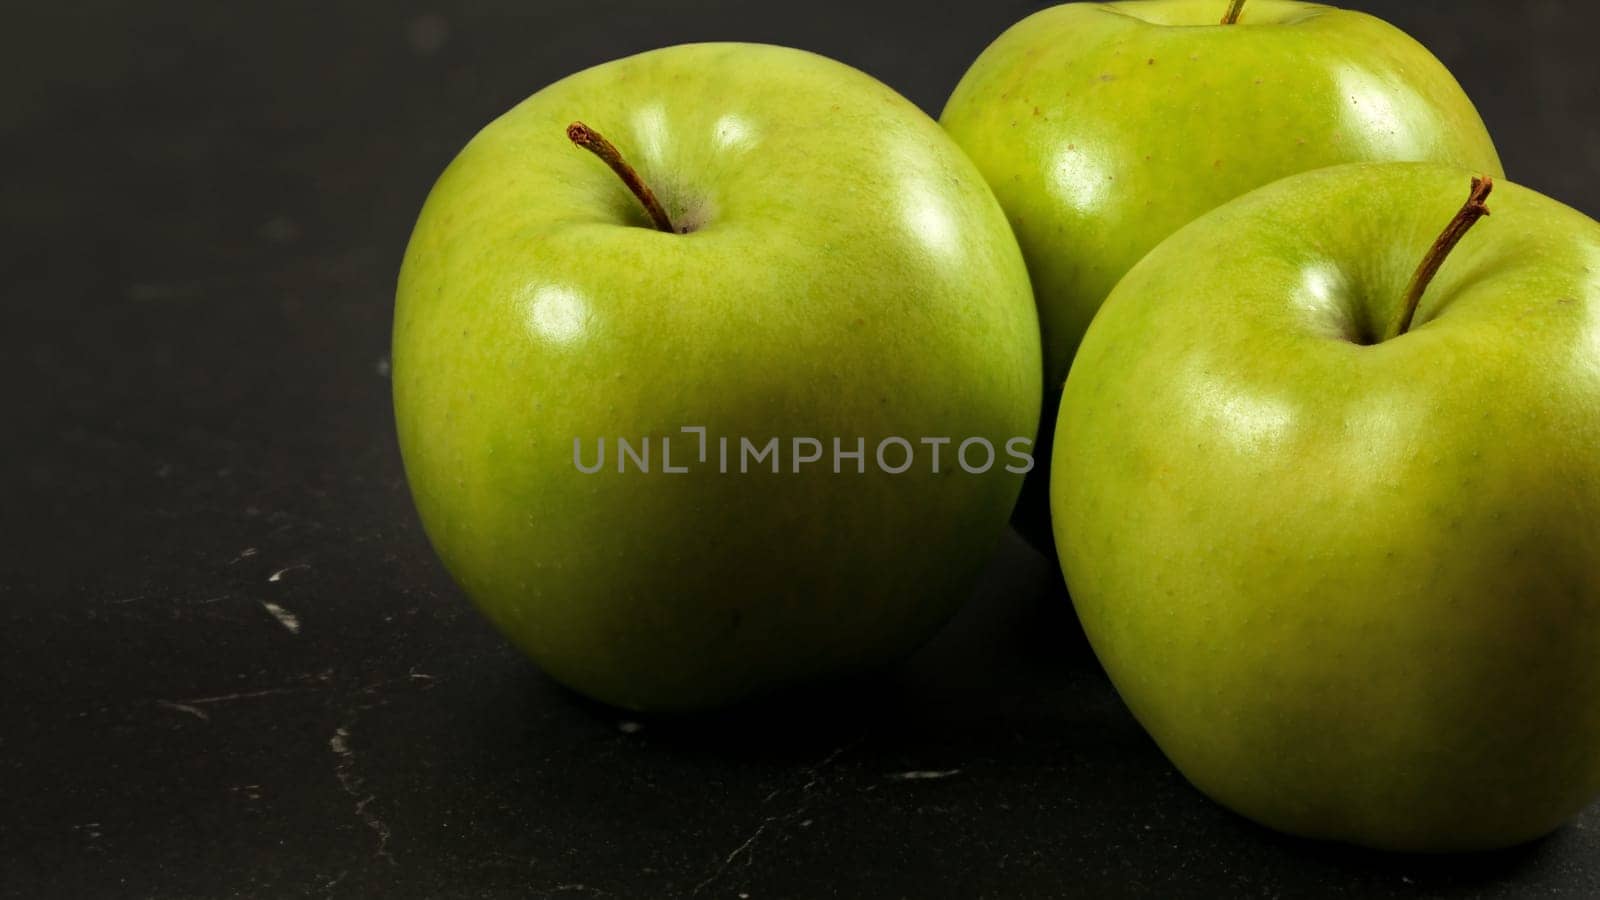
(1351, 586)
(847, 274)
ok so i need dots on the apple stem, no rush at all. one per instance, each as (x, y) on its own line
(1473, 210)
(1234, 8)
(590, 140)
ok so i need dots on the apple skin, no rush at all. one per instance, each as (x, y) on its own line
(1103, 128)
(848, 274)
(1351, 590)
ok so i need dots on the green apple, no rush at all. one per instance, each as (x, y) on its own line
(1104, 127)
(1346, 573)
(838, 271)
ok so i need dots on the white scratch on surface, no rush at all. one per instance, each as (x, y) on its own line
(278, 575)
(344, 769)
(335, 881)
(813, 776)
(192, 710)
(741, 850)
(744, 848)
(925, 775)
(307, 683)
(285, 618)
(243, 695)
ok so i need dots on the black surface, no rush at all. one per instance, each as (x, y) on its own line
(204, 208)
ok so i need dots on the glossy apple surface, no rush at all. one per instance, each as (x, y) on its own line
(1351, 585)
(846, 274)
(1104, 127)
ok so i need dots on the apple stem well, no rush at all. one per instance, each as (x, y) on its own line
(1473, 210)
(591, 140)
(1235, 7)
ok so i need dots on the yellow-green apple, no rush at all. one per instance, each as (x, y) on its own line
(776, 285)
(1103, 127)
(1334, 528)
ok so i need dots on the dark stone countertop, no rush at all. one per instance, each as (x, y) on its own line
(205, 209)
